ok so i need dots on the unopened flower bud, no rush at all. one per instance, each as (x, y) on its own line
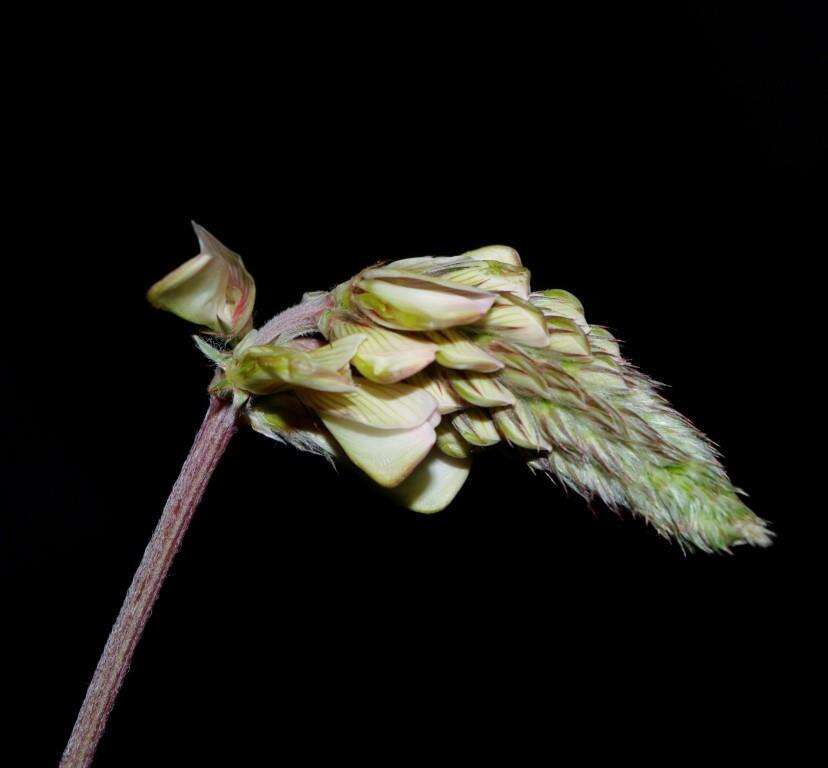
(562, 303)
(566, 336)
(601, 340)
(268, 368)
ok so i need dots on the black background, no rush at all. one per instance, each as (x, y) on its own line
(668, 168)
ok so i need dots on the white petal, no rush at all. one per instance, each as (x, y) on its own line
(386, 456)
(434, 484)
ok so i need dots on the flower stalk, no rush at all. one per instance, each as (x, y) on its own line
(216, 430)
(219, 425)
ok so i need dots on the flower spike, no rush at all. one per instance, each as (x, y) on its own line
(421, 362)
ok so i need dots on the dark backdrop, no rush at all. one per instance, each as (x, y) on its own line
(668, 169)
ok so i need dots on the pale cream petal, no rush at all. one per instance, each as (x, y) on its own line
(212, 289)
(434, 484)
(406, 301)
(338, 353)
(482, 389)
(381, 406)
(192, 291)
(386, 456)
(391, 367)
(516, 320)
(385, 356)
(454, 350)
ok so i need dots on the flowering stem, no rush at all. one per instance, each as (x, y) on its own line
(219, 426)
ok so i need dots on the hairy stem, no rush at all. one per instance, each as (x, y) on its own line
(296, 320)
(216, 430)
(219, 426)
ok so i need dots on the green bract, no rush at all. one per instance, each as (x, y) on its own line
(422, 362)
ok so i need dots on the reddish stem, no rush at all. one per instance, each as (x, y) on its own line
(219, 425)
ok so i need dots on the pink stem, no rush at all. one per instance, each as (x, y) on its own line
(219, 426)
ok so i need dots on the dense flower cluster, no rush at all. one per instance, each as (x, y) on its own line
(420, 363)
